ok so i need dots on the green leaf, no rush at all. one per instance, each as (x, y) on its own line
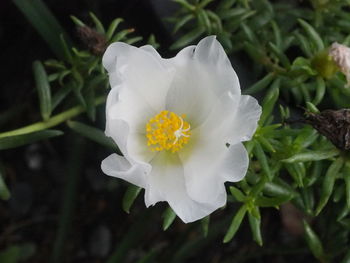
(205, 225)
(59, 96)
(133, 40)
(313, 242)
(130, 196)
(269, 101)
(77, 21)
(254, 52)
(204, 3)
(308, 156)
(204, 21)
(250, 35)
(304, 44)
(10, 254)
(185, 4)
(19, 140)
(112, 27)
(66, 49)
(226, 4)
(4, 192)
(77, 86)
(312, 107)
(260, 85)
(320, 90)
(328, 183)
(346, 258)
(313, 35)
(302, 65)
(44, 22)
(237, 194)
(236, 222)
(263, 160)
(188, 38)
(346, 175)
(297, 171)
(263, 201)
(277, 35)
(168, 218)
(255, 223)
(278, 189)
(182, 21)
(93, 134)
(315, 174)
(279, 54)
(99, 27)
(43, 87)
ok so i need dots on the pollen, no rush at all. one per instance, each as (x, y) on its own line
(167, 131)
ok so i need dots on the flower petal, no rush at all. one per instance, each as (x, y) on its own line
(233, 119)
(208, 164)
(140, 71)
(125, 104)
(166, 182)
(117, 166)
(245, 121)
(203, 74)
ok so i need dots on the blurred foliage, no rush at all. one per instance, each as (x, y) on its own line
(287, 43)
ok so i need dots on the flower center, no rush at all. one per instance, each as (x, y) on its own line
(167, 131)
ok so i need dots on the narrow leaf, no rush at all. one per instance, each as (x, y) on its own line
(98, 24)
(4, 192)
(43, 87)
(328, 183)
(129, 197)
(255, 223)
(269, 101)
(313, 242)
(205, 225)
(93, 134)
(347, 184)
(312, 156)
(237, 194)
(236, 222)
(263, 160)
(320, 91)
(112, 27)
(272, 202)
(168, 218)
(314, 36)
(19, 140)
(188, 38)
(260, 85)
(44, 22)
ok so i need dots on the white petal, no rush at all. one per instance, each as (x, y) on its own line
(202, 75)
(166, 183)
(140, 71)
(246, 120)
(125, 104)
(117, 166)
(131, 144)
(233, 119)
(208, 164)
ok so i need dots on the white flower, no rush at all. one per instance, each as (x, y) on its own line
(173, 120)
(341, 56)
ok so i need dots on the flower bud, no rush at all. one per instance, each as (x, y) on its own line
(341, 56)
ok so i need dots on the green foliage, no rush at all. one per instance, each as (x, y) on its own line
(286, 45)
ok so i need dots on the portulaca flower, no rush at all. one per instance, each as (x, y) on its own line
(179, 123)
(341, 56)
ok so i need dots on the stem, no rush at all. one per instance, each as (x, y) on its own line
(53, 121)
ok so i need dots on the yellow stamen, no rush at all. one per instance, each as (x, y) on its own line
(167, 131)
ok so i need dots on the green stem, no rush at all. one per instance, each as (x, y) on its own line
(53, 121)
